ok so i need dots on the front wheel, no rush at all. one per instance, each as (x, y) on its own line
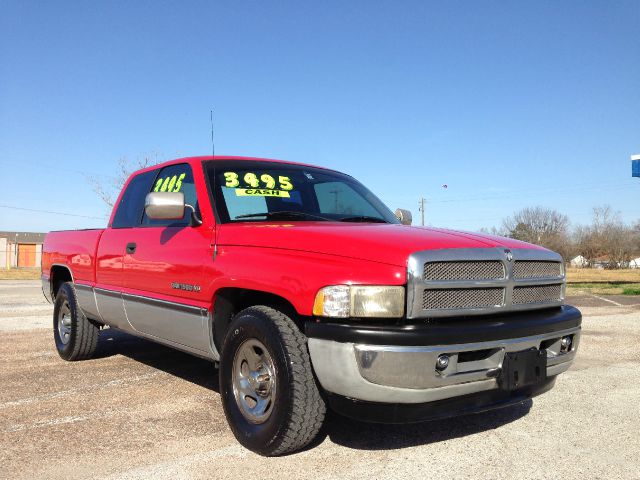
(269, 393)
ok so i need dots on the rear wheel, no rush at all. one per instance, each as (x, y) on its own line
(270, 396)
(76, 336)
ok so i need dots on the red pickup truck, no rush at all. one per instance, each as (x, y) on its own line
(311, 294)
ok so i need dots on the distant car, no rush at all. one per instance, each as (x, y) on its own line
(310, 293)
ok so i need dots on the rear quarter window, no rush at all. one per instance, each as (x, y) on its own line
(131, 205)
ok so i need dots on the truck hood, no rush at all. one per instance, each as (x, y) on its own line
(384, 243)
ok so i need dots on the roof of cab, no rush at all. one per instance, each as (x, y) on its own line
(199, 159)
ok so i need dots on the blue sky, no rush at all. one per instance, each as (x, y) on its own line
(510, 104)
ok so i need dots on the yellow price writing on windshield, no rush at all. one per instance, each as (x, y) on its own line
(268, 180)
(232, 179)
(264, 181)
(261, 192)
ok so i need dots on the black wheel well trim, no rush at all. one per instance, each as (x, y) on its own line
(228, 301)
(58, 275)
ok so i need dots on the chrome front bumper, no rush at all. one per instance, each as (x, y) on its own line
(407, 374)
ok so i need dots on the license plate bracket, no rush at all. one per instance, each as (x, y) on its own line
(523, 369)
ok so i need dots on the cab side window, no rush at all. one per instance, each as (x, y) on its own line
(131, 204)
(174, 178)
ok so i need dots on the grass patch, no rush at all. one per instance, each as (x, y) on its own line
(20, 274)
(592, 275)
(591, 281)
(603, 288)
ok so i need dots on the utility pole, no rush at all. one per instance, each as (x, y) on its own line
(336, 193)
(422, 202)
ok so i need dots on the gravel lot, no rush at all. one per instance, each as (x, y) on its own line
(141, 410)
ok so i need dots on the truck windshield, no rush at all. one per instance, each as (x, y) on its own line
(255, 191)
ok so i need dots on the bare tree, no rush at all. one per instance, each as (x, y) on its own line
(108, 188)
(636, 239)
(492, 231)
(587, 244)
(608, 239)
(542, 226)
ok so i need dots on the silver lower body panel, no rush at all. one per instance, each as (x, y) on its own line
(184, 327)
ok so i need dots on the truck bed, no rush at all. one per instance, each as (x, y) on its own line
(73, 248)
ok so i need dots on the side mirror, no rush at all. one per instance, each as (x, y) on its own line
(404, 216)
(168, 206)
(164, 205)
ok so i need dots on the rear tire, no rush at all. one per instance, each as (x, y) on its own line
(269, 393)
(76, 336)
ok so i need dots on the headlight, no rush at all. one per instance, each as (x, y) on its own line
(344, 301)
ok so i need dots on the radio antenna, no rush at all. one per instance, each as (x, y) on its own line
(213, 145)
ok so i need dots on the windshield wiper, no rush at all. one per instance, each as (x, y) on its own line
(283, 213)
(363, 218)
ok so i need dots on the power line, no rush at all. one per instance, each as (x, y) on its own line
(86, 173)
(499, 217)
(11, 207)
(561, 190)
(558, 190)
(529, 193)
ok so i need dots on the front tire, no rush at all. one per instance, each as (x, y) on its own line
(76, 336)
(269, 394)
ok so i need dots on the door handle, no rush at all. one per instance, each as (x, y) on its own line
(131, 248)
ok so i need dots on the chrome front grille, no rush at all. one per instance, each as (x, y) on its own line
(472, 270)
(477, 281)
(458, 298)
(536, 269)
(537, 294)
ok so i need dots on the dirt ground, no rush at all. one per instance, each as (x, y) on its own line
(582, 275)
(142, 411)
(20, 274)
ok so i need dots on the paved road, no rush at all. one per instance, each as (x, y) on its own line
(141, 410)
(23, 306)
